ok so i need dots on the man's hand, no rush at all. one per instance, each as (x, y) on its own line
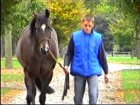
(106, 78)
(66, 69)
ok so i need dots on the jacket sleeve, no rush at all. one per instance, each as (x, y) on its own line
(102, 58)
(69, 53)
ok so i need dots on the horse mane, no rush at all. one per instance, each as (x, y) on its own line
(32, 26)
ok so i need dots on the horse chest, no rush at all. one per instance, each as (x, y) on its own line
(41, 61)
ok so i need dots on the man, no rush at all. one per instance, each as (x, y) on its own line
(86, 55)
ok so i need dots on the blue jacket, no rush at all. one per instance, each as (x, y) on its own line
(85, 60)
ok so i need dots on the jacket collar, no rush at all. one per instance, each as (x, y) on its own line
(86, 33)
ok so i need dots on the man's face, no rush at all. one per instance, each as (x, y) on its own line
(87, 26)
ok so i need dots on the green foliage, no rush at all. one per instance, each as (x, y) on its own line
(66, 16)
(131, 80)
(22, 17)
(6, 10)
(19, 13)
(123, 32)
(124, 24)
(102, 11)
(104, 8)
(6, 28)
(122, 16)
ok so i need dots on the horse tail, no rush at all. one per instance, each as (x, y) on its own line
(49, 89)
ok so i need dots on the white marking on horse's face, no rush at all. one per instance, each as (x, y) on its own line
(46, 47)
(43, 27)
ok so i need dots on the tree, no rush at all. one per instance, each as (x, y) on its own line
(123, 34)
(6, 12)
(16, 14)
(128, 11)
(102, 26)
(102, 11)
(66, 16)
(23, 14)
(22, 17)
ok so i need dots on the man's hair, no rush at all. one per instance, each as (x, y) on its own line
(88, 17)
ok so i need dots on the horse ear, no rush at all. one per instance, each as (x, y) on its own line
(35, 14)
(47, 13)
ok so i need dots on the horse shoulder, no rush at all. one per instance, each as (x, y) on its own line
(55, 43)
(24, 50)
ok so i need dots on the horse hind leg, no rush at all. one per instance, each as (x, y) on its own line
(49, 89)
(31, 89)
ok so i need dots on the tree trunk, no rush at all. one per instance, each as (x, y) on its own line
(62, 50)
(138, 48)
(138, 39)
(8, 46)
(2, 47)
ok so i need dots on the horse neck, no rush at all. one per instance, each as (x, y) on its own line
(35, 45)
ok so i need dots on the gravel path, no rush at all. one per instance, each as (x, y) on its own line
(110, 93)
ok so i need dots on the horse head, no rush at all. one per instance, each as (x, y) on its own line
(41, 31)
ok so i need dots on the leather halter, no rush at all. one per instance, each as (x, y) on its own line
(48, 39)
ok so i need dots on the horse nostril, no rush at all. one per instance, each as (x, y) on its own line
(41, 49)
(44, 51)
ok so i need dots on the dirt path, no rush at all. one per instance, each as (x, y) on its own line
(110, 93)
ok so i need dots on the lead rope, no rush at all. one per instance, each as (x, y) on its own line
(66, 83)
(57, 61)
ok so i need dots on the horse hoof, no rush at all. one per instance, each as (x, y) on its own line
(50, 90)
(29, 99)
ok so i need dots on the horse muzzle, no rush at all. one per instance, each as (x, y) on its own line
(44, 50)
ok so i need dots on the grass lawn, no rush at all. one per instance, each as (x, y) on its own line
(123, 60)
(131, 86)
(16, 64)
(115, 59)
(5, 90)
(11, 76)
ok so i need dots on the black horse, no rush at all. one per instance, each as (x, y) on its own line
(33, 52)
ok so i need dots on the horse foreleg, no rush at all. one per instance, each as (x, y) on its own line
(42, 97)
(45, 88)
(31, 89)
